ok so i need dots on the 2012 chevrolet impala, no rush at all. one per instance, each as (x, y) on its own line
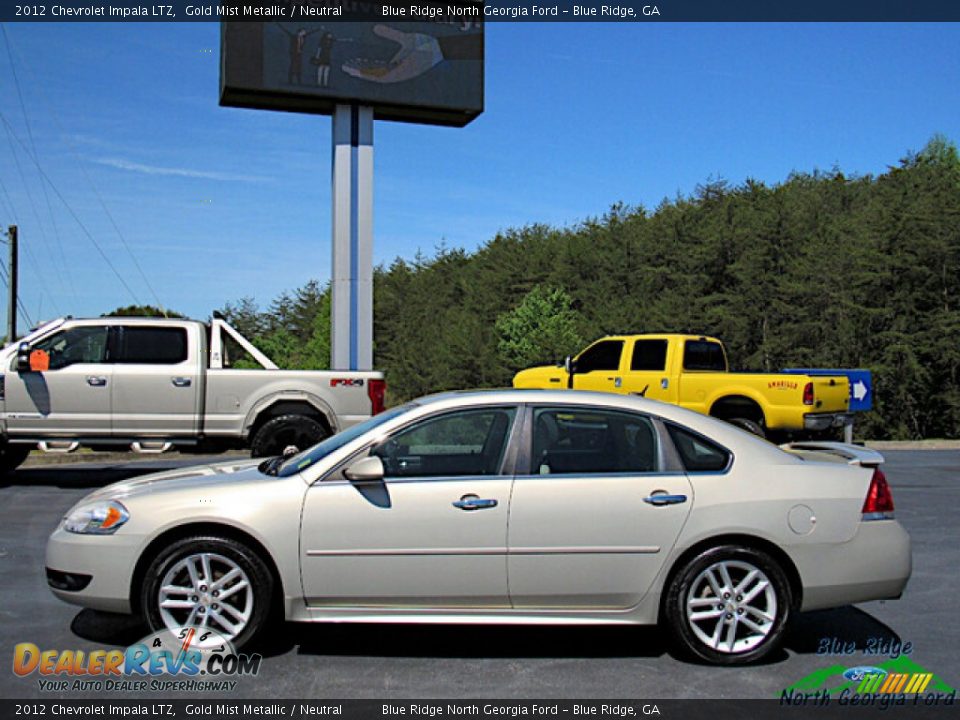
(517, 506)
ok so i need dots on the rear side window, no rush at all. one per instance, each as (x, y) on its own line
(150, 345)
(576, 441)
(697, 453)
(602, 356)
(649, 355)
(703, 355)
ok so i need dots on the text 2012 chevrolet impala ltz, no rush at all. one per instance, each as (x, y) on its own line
(518, 506)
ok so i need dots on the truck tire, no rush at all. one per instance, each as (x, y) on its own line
(12, 456)
(279, 433)
(750, 426)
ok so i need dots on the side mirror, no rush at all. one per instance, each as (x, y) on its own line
(570, 367)
(23, 358)
(370, 468)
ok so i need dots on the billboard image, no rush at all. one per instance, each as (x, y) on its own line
(427, 72)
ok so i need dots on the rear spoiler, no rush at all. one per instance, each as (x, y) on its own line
(852, 454)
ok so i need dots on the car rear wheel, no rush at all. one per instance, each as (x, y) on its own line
(728, 605)
(211, 583)
(286, 431)
(751, 426)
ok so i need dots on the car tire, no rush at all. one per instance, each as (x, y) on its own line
(238, 614)
(699, 620)
(12, 456)
(279, 433)
(751, 426)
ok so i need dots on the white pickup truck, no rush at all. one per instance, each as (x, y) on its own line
(151, 384)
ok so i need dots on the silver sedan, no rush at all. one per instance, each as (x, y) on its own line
(500, 507)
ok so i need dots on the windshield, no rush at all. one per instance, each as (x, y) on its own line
(303, 460)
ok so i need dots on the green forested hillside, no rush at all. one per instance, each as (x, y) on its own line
(820, 270)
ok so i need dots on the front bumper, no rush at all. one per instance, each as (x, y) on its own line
(107, 560)
(873, 565)
(825, 421)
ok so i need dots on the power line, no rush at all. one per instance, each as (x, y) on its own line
(33, 146)
(23, 179)
(86, 175)
(20, 308)
(73, 214)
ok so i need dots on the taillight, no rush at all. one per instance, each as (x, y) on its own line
(376, 390)
(808, 394)
(879, 502)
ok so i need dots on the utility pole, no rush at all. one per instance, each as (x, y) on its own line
(12, 286)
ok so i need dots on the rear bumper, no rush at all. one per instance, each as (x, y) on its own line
(825, 421)
(874, 565)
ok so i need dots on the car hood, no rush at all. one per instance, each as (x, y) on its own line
(196, 476)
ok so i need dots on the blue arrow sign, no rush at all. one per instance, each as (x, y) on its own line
(861, 384)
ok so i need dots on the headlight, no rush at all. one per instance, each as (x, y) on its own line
(98, 518)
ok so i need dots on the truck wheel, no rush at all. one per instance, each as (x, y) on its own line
(280, 433)
(12, 456)
(750, 426)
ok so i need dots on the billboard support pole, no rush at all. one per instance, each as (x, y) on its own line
(351, 312)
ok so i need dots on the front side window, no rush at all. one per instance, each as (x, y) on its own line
(704, 355)
(84, 344)
(649, 355)
(697, 453)
(468, 442)
(601, 356)
(583, 440)
(150, 345)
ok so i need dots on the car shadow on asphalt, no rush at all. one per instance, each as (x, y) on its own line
(806, 635)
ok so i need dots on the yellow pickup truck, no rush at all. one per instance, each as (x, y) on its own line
(692, 371)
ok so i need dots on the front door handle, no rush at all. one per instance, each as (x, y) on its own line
(659, 499)
(180, 381)
(96, 380)
(474, 502)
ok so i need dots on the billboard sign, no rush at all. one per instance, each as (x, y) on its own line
(425, 72)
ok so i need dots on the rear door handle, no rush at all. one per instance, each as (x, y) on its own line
(660, 499)
(180, 381)
(474, 502)
(96, 380)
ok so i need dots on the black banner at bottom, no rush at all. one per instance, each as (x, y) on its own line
(814, 707)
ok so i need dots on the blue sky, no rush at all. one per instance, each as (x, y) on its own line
(219, 203)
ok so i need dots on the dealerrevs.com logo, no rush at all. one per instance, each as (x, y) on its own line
(190, 659)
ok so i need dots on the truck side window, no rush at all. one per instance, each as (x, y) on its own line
(704, 355)
(84, 344)
(698, 453)
(151, 345)
(602, 356)
(649, 355)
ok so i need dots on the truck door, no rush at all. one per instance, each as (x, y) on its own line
(598, 367)
(156, 381)
(71, 397)
(648, 375)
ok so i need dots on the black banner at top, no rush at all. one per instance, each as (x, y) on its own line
(461, 11)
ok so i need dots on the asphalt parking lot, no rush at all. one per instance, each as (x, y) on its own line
(367, 661)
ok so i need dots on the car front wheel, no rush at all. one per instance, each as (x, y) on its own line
(211, 583)
(728, 605)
